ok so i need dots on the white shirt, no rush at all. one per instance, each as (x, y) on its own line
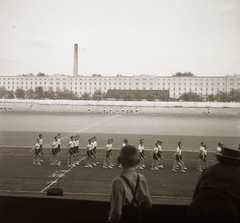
(140, 147)
(54, 144)
(71, 144)
(37, 146)
(89, 148)
(202, 148)
(219, 149)
(74, 143)
(179, 151)
(155, 150)
(159, 148)
(92, 145)
(108, 147)
(204, 152)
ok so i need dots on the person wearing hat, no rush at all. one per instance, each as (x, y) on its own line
(216, 197)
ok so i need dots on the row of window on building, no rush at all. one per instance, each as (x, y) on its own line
(90, 85)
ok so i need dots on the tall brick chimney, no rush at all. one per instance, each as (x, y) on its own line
(75, 65)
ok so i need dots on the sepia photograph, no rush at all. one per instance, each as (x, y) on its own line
(119, 111)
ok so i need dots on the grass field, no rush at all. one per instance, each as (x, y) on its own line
(19, 131)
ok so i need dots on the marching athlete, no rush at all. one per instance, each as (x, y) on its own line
(155, 157)
(204, 159)
(125, 142)
(92, 153)
(54, 153)
(200, 155)
(219, 148)
(95, 150)
(107, 161)
(179, 159)
(41, 146)
(76, 150)
(59, 153)
(112, 162)
(89, 154)
(141, 165)
(70, 152)
(137, 111)
(160, 156)
(37, 153)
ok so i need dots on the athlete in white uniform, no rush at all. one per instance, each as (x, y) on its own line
(76, 149)
(160, 156)
(54, 153)
(219, 148)
(58, 149)
(179, 159)
(95, 150)
(204, 158)
(70, 152)
(125, 142)
(107, 161)
(155, 157)
(200, 155)
(37, 151)
(89, 154)
(41, 146)
(141, 165)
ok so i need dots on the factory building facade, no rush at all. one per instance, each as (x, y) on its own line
(176, 85)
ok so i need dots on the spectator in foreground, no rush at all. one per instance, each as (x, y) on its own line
(216, 197)
(130, 194)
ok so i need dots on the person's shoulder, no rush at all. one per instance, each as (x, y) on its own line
(117, 180)
(142, 177)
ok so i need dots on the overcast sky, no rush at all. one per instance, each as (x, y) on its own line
(128, 37)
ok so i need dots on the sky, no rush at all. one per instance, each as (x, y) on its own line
(127, 37)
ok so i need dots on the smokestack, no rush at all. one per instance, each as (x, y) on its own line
(75, 65)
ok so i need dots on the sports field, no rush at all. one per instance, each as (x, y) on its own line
(19, 131)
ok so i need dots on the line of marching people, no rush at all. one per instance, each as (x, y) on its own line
(55, 151)
(90, 157)
(74, 155)
(90, 153)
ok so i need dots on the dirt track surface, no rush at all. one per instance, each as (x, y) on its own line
(19, 131)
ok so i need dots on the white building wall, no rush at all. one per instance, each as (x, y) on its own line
(90, 84)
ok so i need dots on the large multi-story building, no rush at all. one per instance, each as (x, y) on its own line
(176, 85)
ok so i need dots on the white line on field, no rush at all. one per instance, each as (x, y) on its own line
(90, 126)
(55, 181)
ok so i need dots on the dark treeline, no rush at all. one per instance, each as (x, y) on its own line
(39, 93)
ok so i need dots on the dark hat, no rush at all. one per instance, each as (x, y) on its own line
(228, 155)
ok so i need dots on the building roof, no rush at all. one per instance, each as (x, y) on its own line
(138, 94)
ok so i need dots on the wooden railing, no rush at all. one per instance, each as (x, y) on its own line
(50, 209)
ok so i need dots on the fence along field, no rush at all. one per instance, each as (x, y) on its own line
(144, 107)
